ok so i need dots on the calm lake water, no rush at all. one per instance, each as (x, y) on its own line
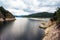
(21, 29)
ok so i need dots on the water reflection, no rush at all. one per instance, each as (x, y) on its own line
(4, 24)
(21, 29)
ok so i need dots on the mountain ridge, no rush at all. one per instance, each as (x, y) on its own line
(40, 15)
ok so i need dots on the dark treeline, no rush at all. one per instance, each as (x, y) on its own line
(43, 14)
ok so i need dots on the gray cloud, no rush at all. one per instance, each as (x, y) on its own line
(30, 6)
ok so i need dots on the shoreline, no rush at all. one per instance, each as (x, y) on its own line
(7, 19)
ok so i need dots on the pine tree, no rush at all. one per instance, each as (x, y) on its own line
(57, 14)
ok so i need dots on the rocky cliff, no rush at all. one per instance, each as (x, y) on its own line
(6, 15)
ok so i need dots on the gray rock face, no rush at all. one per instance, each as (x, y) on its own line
(6, 15)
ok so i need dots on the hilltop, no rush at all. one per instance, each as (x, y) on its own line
(40, 15)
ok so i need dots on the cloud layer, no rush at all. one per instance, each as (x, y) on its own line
(26, 7)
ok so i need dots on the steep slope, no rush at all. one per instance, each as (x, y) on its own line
(7, 15)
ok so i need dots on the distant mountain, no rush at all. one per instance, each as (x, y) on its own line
(40, 15)
(6, 15)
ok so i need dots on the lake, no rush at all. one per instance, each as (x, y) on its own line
(22, 29)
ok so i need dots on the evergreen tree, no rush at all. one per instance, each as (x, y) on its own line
(57, 14)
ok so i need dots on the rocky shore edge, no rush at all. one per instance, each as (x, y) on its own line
(7, 19)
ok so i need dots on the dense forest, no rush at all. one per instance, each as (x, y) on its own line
(57, 14)
(44, 14)
(40, 15)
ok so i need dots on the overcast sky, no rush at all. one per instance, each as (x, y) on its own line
(26, 7)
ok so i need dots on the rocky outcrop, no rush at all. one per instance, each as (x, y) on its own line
(6, 15)
(52, 31)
